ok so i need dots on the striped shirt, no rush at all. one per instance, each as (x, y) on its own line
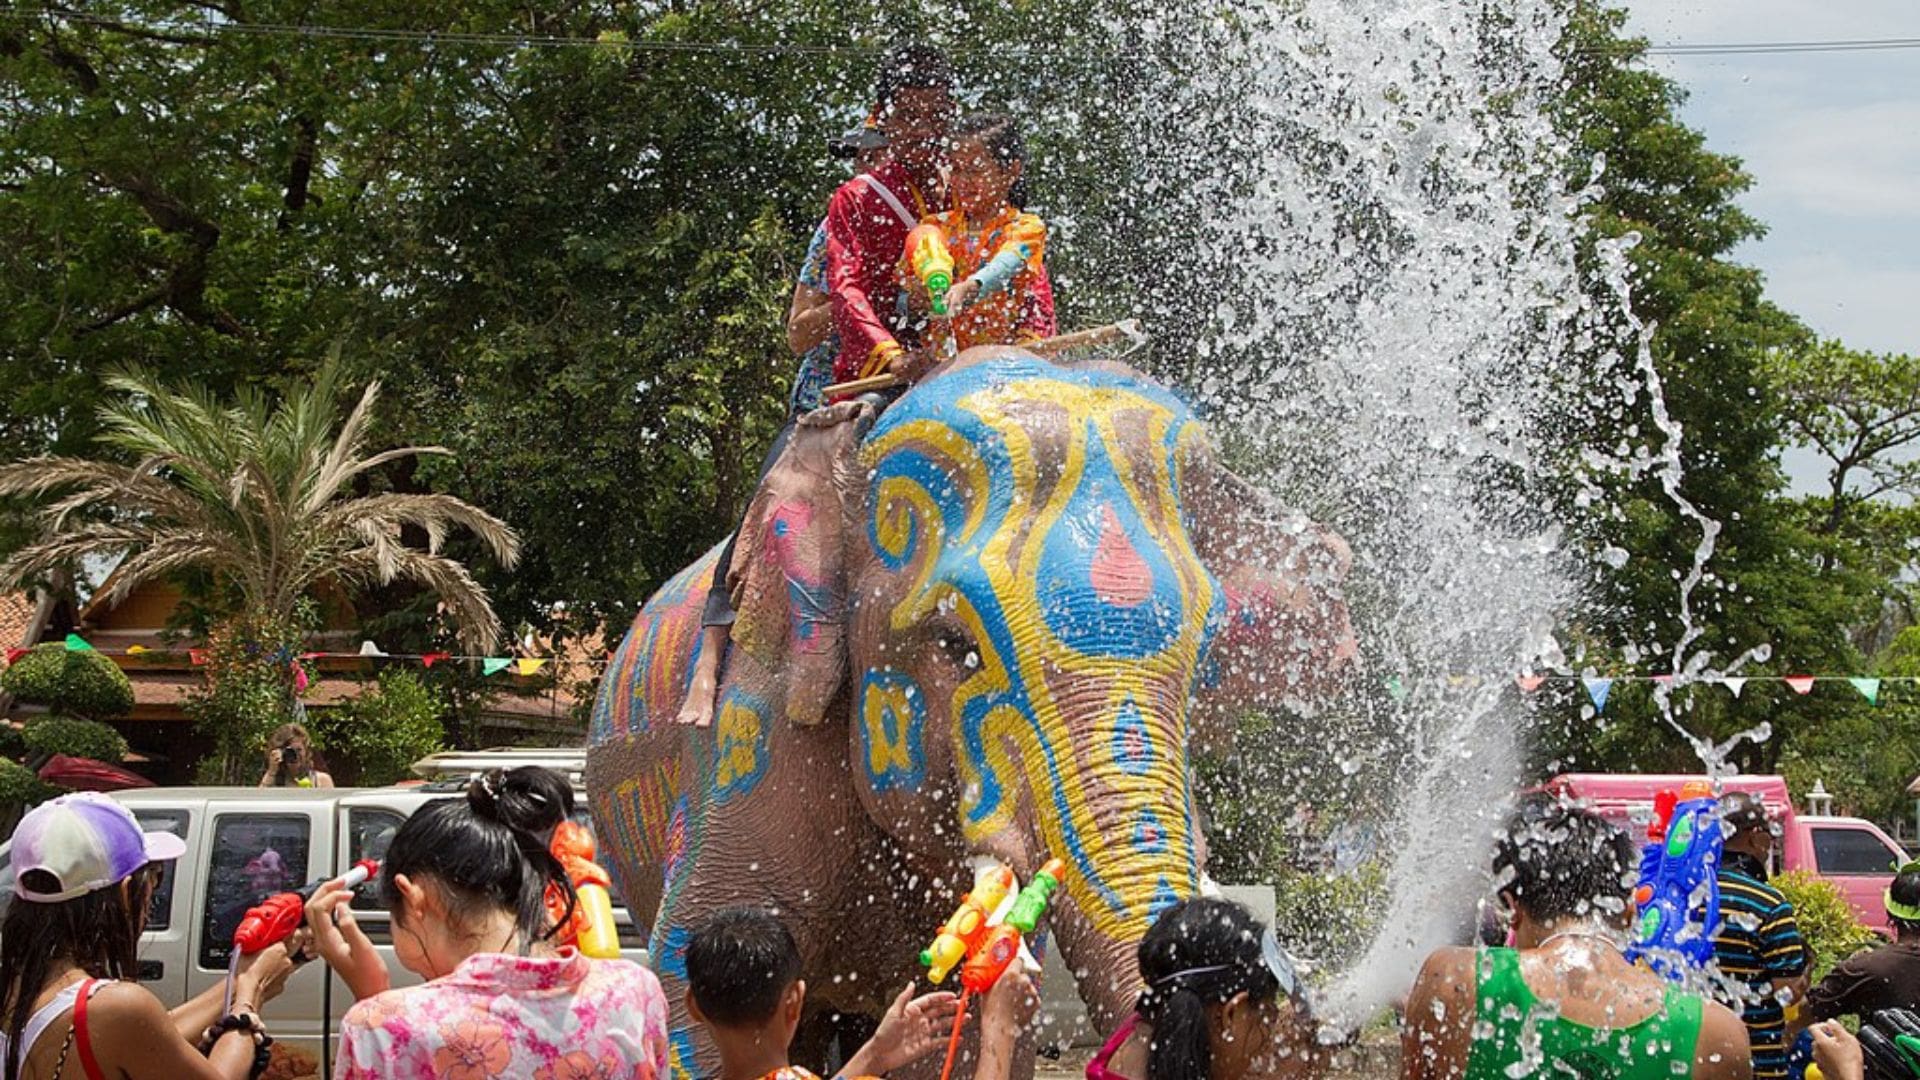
(1758, 942)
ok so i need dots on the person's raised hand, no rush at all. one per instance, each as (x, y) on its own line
(912, 1028)
(962, 295)
(342, 944)
(1837, 1052)
(1011, 1005)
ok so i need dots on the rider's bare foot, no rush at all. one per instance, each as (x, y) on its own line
(697, 710)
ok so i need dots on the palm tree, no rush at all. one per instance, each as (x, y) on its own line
(260, 493)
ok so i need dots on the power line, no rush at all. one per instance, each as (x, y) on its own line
(207, 27)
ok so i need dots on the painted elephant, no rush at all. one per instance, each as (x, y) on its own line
(982, 623)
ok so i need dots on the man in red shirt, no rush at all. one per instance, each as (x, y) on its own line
(870, 215)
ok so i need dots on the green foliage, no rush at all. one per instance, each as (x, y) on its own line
(73, 682)
(12, 743)
(384, 730)
(75, 738)
(249, 692)
(1826, 920)
(1331, 917)
(20, 789)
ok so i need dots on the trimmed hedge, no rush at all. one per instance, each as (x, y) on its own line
(82, 683)
(20, 788)
(75, 738)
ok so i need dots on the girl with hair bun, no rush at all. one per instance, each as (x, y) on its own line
(1220, 1003)
(466, 881)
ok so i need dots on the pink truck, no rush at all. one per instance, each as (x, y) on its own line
(1853, 854)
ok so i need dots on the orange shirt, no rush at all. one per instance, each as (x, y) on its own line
(1019, 313)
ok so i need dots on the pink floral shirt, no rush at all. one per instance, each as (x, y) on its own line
(555, 1018)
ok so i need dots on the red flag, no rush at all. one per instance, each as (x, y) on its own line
(432, 658)
(311, 655)
(1801, 684)
(1529, 683)
(1663, 680)
(198, 656)
(14, 655)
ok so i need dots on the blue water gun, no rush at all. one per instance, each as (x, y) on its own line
(1679, 870)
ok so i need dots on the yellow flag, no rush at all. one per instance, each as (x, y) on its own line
(527, 665)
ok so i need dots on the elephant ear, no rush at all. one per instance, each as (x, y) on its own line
(1287, 636)
(788, 577)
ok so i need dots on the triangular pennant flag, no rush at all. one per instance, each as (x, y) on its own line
(368, 648)
(1396, 689)
(527, 665)
(137, 650)
(197, 656)
(1597, 691)
(493, 665)
(76, 643)
(1800, 684)
(432, 658)
(299, 678)
(1869, 689)
(1663, 680)
(14, 655)
(1735, 685)
(311, 655)
(1529, 683)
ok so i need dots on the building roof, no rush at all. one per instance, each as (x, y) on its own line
(22, 616)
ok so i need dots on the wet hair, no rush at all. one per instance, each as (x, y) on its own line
(1743, 813)
(488, 851)
(99, 932)
(911, 66)
(1199, 952)
(1557, 861)
(1905, 890)
(1001, 134)
(739, 964)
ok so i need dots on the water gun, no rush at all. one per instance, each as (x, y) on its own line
(1003, 943)
(592, 929)
(1679, 867)
(1890, 1043)
(966, 930)
(278, 916)
(931, 262)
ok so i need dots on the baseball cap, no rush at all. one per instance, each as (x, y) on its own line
(87, 842)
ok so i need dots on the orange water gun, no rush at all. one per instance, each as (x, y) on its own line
(966, 930)
(591, 929)
(992, 958)
(932, 263)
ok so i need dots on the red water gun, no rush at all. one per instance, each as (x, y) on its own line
(278, 916)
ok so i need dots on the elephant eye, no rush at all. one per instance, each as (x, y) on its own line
(955, 643)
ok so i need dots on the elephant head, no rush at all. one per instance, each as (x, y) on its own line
(1024, 575)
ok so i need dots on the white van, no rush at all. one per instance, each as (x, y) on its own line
(244, 844)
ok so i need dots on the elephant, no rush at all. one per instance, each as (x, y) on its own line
(989, 622)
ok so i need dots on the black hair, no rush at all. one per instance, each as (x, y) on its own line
(489, 850)
(1743, 813)
(98, 932)
(1556, 861)
(1001, 134)
(1198, 953)
(1905, 890)
(739, 964)
(911, 66)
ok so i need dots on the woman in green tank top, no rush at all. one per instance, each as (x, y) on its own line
(1564, 1002)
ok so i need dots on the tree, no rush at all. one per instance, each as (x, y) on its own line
(258, 493)
(69, 682)
(385, 729)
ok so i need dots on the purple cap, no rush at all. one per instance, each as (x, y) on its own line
(86, 841)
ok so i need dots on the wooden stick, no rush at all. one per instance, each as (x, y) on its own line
(1125, 330)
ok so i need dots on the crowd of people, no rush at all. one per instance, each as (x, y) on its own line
(478, 904)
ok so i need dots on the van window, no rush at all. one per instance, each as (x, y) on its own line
(160, 911)
(1851, 851)
(254, 856)
(369, 832)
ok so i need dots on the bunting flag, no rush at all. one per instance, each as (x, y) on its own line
(1529, 683)
(1735, 685)
(1597, 691)
(1663, 680)
(368, 648)
(1869, 689)
(494, 665)
(311, 655)
(432, 658)
(527, 665)
(1396, 689)
(14, 655)
(1800, 684)
(137, 650)
(299, 678)
(198, 657)
(76, 643)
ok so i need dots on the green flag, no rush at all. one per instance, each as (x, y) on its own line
(1869, 689)
(76, 643)
(493, 665)
(1396, 689)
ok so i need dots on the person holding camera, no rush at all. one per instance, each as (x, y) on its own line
(291, 761)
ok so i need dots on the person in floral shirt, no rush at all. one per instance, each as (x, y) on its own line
(465, 881)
